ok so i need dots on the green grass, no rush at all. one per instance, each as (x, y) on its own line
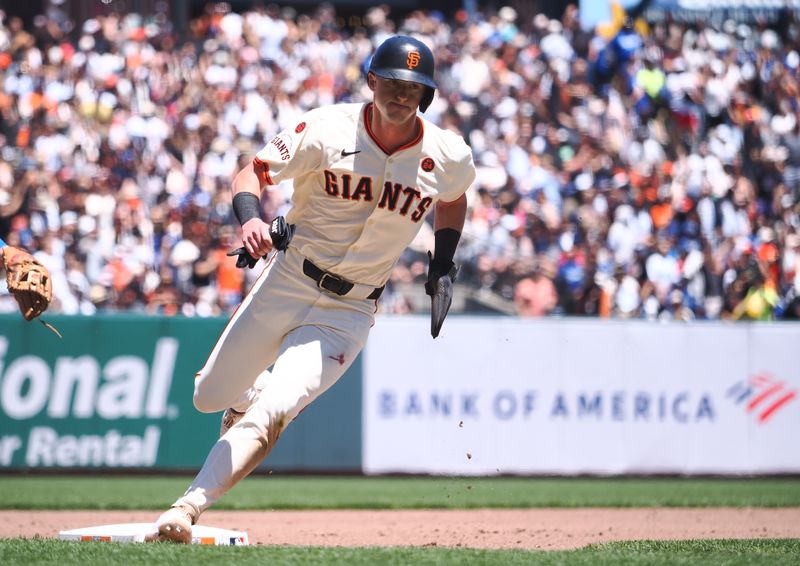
(700, 552)
(306, 492)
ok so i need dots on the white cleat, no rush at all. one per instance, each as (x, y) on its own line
(175, 525)
(229, 418)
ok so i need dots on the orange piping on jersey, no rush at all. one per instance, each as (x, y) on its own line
(262, 170)
(236, 311)
(371, 134)
(374, 312)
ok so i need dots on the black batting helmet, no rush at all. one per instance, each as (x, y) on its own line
(407, 59)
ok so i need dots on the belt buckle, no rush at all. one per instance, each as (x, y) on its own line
(329, 277)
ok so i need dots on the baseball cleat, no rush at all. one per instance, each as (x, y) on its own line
(175, 525)
(229, 418)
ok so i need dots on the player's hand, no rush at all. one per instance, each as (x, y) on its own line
(255, 237)
(439, 287)
(280, 235)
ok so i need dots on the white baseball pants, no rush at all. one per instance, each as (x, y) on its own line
(308, 336)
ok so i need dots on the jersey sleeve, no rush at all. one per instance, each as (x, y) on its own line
(294, 151)
(461, 173)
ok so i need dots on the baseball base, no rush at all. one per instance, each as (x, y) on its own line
(147, 532)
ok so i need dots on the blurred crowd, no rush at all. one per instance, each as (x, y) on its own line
(641, 170)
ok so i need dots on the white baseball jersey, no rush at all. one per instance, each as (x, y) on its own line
(356, 207)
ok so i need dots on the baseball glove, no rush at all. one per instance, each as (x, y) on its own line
(439, 287)
(28, 281)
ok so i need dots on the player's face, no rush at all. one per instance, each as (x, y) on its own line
(396, 100)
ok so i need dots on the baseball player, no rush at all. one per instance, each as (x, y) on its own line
(365, 177)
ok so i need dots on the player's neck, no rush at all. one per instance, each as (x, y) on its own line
(392, 136)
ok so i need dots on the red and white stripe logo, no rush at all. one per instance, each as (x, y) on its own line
(762, 395)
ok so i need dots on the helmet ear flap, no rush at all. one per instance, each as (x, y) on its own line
(427, 98)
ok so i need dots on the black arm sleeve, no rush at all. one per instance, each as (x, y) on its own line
(446, 241)
(246, 206)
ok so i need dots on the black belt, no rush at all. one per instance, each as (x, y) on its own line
(333, 283)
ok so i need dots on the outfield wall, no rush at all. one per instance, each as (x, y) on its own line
(489, 396)
(116, 392)
(581, 396)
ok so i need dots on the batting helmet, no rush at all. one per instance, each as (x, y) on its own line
(407, 59)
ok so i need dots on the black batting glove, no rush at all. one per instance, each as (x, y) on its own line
(281, 234)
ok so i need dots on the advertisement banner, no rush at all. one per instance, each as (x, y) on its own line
(116, 392)
(510, 396)
(718, 11)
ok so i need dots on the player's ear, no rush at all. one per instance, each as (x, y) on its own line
(371, 81)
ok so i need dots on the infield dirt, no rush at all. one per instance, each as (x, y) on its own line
(543, 529)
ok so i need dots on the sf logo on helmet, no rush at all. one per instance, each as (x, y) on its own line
(413, 59)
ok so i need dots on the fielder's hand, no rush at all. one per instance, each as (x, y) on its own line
(439, 287)
(28, 281)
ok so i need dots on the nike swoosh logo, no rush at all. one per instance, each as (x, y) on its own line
(346, 153)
